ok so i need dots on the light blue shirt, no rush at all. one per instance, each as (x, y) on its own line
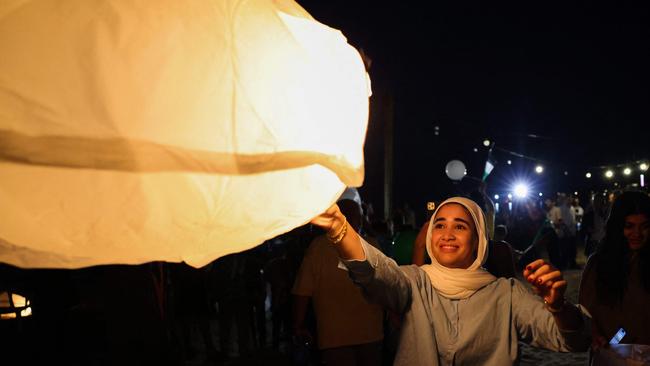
(482, 329)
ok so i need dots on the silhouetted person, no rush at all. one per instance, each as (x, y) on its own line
(350, 332)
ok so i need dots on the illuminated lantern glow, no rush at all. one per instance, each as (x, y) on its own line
(13, 306)
(170, 130)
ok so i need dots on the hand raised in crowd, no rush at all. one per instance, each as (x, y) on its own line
(331, 220)
(547, 282)
(344, 238)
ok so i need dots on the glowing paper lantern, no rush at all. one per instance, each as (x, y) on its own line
(13, 306)
(455, 170)
(133, 131)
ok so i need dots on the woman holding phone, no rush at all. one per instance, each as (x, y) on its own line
(615, 286)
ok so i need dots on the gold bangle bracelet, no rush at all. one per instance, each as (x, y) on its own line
(341, 235)
(335, 239)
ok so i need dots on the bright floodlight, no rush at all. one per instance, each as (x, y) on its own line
(496, 196)
(509, 162)
(521, 191)
(486, 142)
(541, 194)
(609, 174)
(627, 171)
(539, 169)
(588, 175)
(643, 166)
(509, 195)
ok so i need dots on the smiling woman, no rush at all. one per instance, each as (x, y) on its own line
(453, 237)
(615, 285)
(447, 306)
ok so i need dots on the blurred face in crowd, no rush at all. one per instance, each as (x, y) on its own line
(454, 240)
(636, 231)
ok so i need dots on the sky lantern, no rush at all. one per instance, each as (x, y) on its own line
(133, 131)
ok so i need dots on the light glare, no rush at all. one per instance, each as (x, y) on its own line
(521, 191)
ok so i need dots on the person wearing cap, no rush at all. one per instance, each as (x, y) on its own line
(453, 310)
(349, 327)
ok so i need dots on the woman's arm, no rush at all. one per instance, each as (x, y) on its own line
(549, 284)
(587, 298)
(379, 276)
(555, 324)
(344, 238)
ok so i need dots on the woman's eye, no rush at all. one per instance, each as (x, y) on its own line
(460, 227)
(438, 226)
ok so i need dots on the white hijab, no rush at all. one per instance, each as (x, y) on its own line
(459, 283)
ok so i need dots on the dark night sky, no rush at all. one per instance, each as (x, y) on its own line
(575, 74)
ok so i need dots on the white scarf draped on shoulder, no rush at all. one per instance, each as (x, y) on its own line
(458, 283)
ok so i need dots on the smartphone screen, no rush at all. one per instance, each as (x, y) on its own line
(616, 339)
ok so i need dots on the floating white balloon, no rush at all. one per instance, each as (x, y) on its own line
(455, 170)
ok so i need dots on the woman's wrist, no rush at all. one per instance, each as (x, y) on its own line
(337, 231)
(556, 307)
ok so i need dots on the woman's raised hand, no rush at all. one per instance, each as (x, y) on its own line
(547, 282)
(343, 236)
(331, 220)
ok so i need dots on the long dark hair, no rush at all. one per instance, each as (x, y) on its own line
(613, 264)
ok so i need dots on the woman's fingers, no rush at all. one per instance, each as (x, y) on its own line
(326, 219)
(537, 272)
(532, 267)
(548, 279)
(556, 292)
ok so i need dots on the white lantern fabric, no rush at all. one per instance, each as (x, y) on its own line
(133, 131)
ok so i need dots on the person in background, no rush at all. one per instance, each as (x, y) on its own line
(594, 222)
(563, 220)
(615, 286)
(501, 258)
(350, 329)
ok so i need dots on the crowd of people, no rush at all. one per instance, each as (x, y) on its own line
(353, 289)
